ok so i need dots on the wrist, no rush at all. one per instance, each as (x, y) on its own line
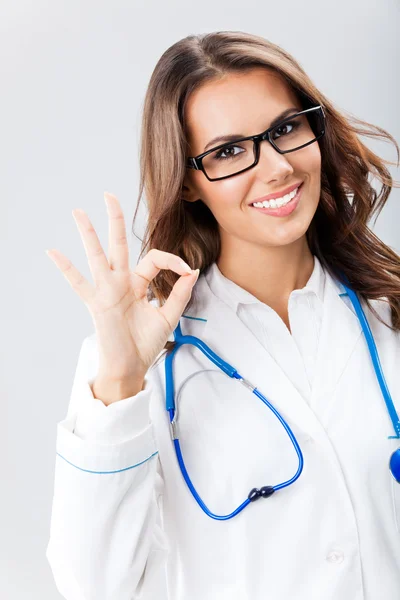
(110, 390)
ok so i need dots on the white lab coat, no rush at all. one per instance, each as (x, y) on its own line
(125, 526)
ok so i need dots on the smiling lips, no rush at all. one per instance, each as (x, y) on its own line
(277, 197)
(276, 202)
(287, 206)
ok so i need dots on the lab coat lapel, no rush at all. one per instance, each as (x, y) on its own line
(340, 331)
(227, 335)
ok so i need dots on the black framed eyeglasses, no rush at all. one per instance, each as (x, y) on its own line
(290, 134)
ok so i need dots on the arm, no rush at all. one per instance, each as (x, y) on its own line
(106, 538)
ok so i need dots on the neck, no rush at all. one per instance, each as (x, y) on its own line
(269, 274)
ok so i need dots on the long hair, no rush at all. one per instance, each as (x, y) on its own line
(338, 234)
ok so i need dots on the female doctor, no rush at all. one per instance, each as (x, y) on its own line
(173, 480)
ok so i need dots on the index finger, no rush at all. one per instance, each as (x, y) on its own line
(151, 264)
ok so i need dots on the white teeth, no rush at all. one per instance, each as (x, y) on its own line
(276, 202)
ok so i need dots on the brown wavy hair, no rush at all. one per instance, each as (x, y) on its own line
(338, 234)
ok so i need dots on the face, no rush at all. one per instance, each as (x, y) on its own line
(248, 103)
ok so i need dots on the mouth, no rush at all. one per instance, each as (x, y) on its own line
(287, 204)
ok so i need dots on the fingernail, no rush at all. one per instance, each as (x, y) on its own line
(50, 254)
(186, 266)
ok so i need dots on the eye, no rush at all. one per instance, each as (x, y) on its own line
(226, 150)
(284, 127)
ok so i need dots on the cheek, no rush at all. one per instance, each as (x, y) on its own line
(315, 176)
(224, 196)
(313, 160)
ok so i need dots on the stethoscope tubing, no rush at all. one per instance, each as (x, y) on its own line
(266, 491)
(373, 351)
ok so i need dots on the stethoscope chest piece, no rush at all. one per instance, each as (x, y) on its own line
(394, 465)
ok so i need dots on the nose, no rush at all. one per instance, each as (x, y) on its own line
(271, 161)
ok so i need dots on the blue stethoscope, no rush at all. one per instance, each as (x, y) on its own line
(255, 494)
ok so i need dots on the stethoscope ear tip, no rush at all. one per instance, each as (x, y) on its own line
(394, 465)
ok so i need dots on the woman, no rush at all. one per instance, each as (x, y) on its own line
(271, 301)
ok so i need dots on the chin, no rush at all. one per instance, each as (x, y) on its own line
(287, 234)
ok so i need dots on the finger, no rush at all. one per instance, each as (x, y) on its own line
(97, 260)
(118, 252)
(180, 295)
(151, 265)
(78, 283)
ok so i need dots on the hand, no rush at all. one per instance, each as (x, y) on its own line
(130, 331)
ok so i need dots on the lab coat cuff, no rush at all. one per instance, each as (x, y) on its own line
(94, 456)
(113, 424)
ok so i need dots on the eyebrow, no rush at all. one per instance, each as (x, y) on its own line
(234, 136)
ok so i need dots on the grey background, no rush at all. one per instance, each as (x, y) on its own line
(73, 78)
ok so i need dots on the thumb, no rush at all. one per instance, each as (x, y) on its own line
(180, 295)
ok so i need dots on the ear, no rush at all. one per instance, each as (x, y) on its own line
(190, 193)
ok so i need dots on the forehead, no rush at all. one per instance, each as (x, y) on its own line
(245, 102)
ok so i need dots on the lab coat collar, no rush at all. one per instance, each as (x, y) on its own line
(217, 324)
(233, 295)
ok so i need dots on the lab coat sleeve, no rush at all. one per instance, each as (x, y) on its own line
(107, 540)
